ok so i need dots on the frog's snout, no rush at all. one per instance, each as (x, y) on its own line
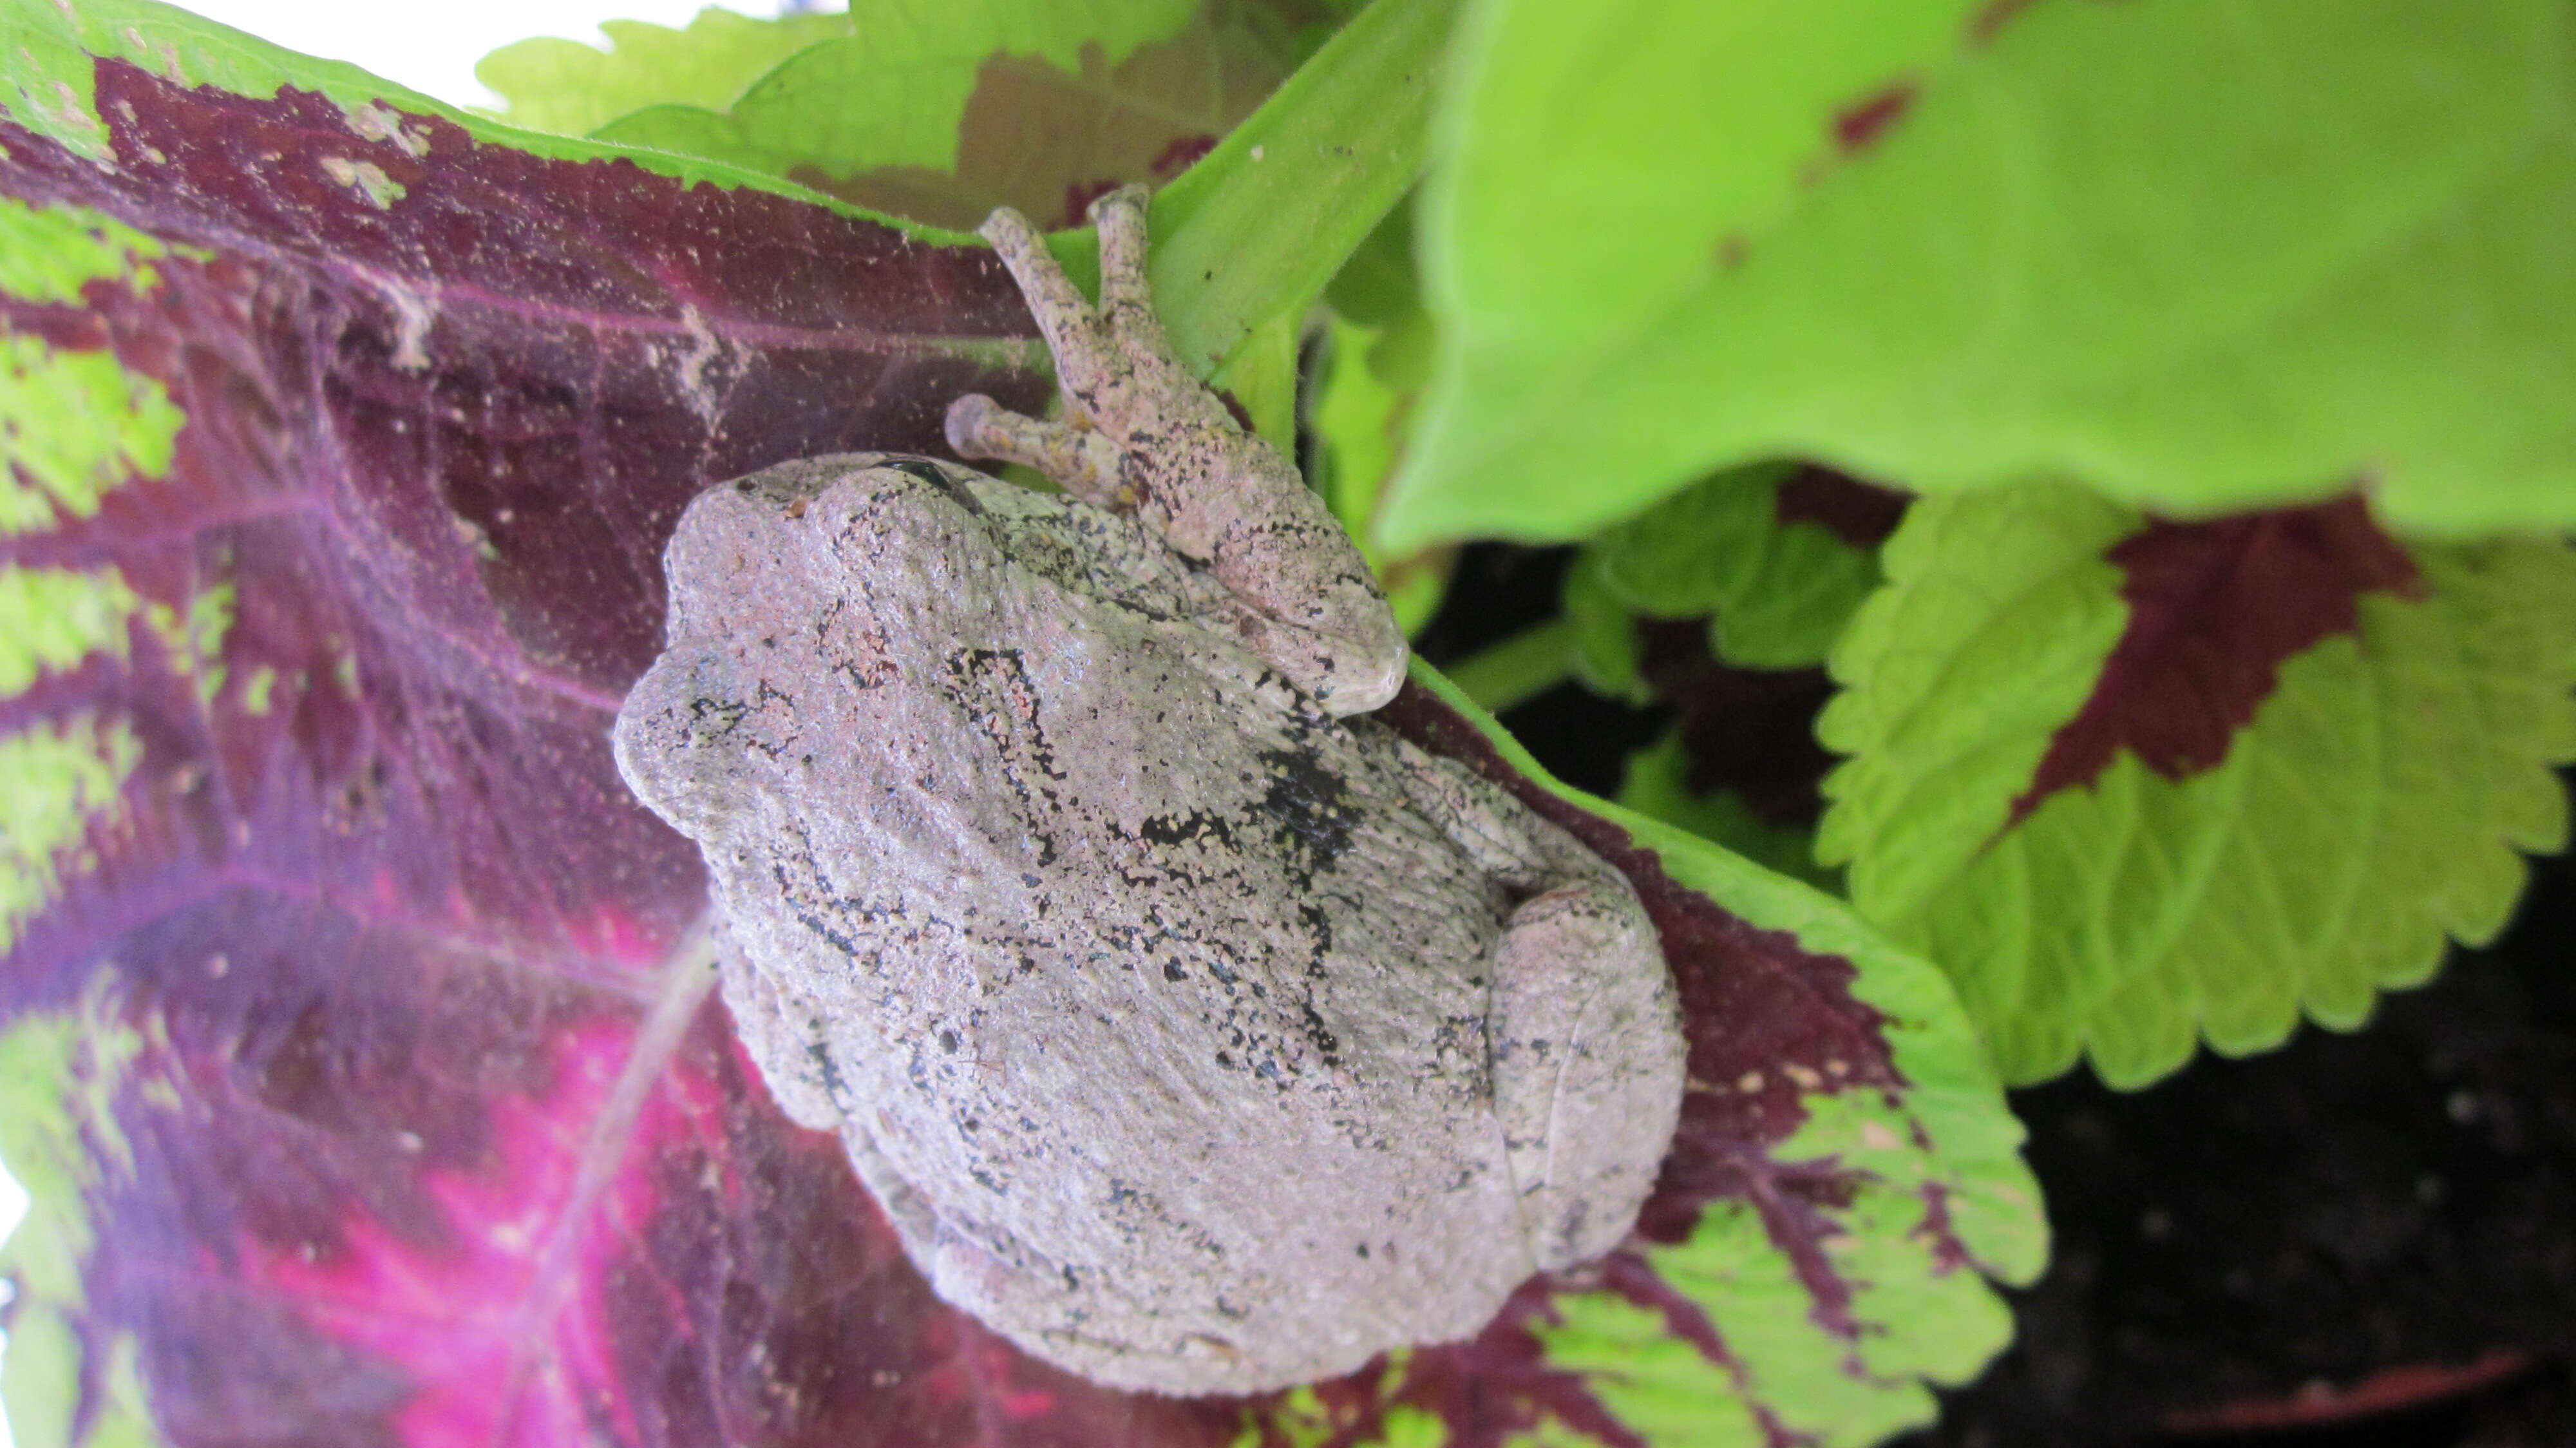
(674, 742)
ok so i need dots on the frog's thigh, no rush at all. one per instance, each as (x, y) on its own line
(1588, 1061)
(1025, 1295)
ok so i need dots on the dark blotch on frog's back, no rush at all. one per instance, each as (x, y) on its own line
(1310, 803)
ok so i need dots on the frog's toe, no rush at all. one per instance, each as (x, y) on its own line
(1126, 300)
(1083, 462)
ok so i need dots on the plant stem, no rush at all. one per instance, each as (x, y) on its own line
(1518, 669)
(1257, 227)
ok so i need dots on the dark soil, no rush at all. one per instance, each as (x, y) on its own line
(2357, 1239)
(2364, 1238)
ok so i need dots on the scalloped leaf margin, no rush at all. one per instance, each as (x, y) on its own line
(2369, 812)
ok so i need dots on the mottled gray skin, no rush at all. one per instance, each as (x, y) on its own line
(1194, 1037)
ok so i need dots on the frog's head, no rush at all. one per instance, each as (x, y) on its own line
(681, 742)
(750, 570)
(794, 594)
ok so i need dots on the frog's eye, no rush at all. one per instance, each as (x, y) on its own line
(922, 468)
(938, 477)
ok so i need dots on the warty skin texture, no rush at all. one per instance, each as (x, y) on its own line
(1194, 1036)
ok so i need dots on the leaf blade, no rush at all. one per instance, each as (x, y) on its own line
(2081, 290)
(2365, 811)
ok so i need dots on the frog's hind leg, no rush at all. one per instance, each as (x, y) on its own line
(1587, 1065)
(1583, 1026)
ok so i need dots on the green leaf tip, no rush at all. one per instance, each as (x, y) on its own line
(1777, 590)
(65, 779)
(53, 618)
(552, 84)
(50, 253)
(63, 1373)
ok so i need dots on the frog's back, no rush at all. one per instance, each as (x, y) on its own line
(1138, 976)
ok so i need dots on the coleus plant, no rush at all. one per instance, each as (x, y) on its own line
(356, 1036)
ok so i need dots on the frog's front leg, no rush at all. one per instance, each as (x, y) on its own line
(1142, 433)
(1583, 1028)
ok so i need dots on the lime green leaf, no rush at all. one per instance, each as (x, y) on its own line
(2199, 254)
(2371, 808)
(893, 87)
(1777, 592)
(1358, 420)
(563, 85)
(1597, 155)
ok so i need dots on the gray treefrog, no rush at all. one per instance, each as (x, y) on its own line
(1195, 1031)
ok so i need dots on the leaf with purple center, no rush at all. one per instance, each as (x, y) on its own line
(376, 1093)
(2136, 782)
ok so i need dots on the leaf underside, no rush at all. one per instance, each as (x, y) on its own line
(1962, 245)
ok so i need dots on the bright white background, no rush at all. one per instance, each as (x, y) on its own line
(430, 48)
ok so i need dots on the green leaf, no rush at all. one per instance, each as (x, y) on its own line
(1511, 671)
(1266, 219)
(2199, 254)
(892, 87)
(1371, 375)
(561, 85)
(1778, 593)
(1608, 657)
(2371, 808)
